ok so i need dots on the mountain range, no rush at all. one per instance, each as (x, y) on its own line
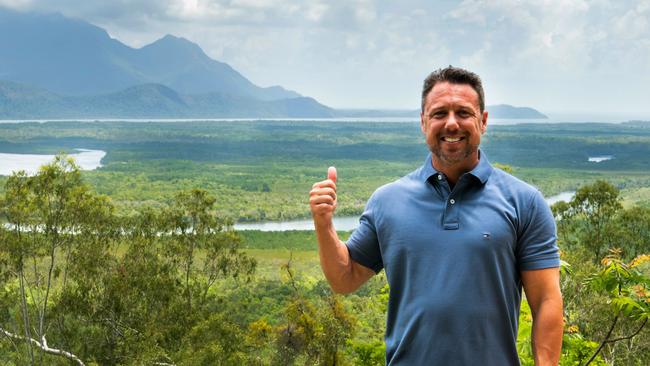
(19, 101)
(52, 66)
(73, 57)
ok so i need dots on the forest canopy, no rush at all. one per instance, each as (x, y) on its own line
(83, 284)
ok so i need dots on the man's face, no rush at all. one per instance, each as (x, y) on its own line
(452, 124)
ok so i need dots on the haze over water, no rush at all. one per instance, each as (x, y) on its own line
(552, 118)
(30, 163)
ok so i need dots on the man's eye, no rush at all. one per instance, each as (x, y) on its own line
(438, 114)
(464, 114)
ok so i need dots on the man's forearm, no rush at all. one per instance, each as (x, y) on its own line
(545, 299)
(334, 259)
(548, 328)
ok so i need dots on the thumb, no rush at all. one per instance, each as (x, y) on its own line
(331, 173)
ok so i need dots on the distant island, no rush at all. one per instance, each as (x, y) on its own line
(511, 112)
(97, 77)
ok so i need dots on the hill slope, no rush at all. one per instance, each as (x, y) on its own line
(73, 57)
(18, 101)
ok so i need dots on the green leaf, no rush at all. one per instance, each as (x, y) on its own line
(628, 307)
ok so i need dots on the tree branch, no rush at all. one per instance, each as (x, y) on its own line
(630, 336)
(41, 322)
(44, 347)
(602, 344)
(23, 308)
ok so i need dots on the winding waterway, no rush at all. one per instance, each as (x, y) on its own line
(346, 223)
(91, 159)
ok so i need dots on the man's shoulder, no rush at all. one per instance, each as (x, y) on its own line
(512, 186)
(396, 189)
(410, 181)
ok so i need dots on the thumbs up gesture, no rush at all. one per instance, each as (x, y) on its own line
(322, 199)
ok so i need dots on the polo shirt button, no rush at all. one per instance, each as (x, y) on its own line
(439, 176)
(452, 201)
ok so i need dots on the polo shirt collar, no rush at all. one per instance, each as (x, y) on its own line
(481, 171)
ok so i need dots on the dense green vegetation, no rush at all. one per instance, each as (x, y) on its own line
(83, 284)
(261, 170)
(103, 264)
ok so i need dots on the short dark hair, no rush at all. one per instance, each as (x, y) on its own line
(454, 75)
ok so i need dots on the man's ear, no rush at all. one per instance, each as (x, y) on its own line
(422, 123)
(484, 122)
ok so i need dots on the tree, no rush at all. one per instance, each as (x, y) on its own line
(587, 221)
(632, 234)
(45, 215)
(592, 223)
(108, 289)
(191, 225)
(316, 329)
(154, 300)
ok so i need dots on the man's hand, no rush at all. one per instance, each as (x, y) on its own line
(322, 199)
(343, 274)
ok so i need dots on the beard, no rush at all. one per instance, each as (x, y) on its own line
(453, 157)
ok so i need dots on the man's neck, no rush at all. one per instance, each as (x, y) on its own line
(453, 171)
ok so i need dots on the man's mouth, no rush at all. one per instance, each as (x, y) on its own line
(452, 139)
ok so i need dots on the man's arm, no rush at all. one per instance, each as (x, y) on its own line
(542, 289)
(342, 272)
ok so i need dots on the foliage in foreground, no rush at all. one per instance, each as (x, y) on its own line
(65, 284)
(171, 286)
(607, 289)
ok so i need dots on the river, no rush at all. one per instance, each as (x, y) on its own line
(90, 160)
(345, 223)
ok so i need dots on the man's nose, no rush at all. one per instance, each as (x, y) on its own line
(452, 122)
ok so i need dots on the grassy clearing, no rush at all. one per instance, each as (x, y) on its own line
(636, 196)
(271, 263)
(273, 250)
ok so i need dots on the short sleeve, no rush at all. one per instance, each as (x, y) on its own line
(363, 244)
(537, 239)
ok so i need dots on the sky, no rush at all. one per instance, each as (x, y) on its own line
(558, 56)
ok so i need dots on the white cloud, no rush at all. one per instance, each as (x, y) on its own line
(315, 11)
(553, 54)
(635, 23)
(16, 4)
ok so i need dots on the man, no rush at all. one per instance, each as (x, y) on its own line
(457, 239)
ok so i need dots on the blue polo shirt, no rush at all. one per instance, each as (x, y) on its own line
(453, 260)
